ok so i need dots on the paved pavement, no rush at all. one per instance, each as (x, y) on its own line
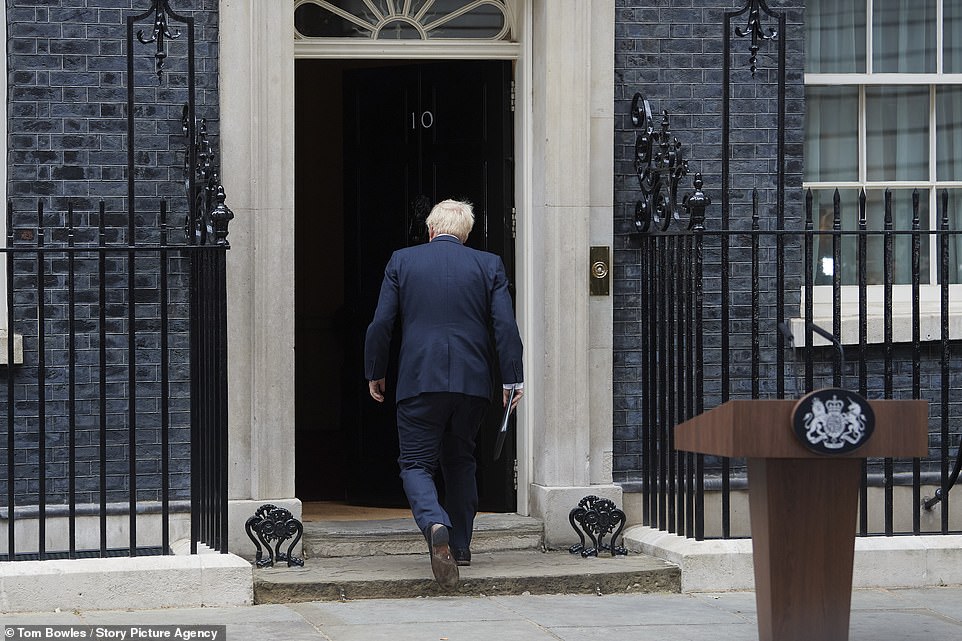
(877, 615)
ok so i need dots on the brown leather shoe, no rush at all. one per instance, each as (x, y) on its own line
(442, 563)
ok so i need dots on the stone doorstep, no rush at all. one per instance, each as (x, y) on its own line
(491, 573)
(388, 559)
(492, 532)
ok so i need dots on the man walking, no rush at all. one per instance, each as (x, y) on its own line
(450, 301)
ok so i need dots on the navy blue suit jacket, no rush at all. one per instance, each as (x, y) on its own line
(446, 296)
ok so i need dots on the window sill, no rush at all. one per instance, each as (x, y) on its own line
(930, 328)
(17, 348)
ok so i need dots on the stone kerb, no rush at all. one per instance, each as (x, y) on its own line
(880, 562)
(199, 580)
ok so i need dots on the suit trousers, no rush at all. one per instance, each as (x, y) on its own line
(438, 429)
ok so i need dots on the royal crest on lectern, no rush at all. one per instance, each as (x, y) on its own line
(833, 421)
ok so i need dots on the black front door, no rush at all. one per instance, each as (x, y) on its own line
(413, 135)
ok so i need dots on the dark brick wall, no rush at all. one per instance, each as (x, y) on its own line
(670, 51)
(67, 146)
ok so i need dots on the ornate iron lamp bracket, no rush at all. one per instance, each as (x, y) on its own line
(596, 518)
(160, 33)
(754, 28)
(660, 165)
(274, 524)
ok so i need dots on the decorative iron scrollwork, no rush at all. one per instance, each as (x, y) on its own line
(274, 524)
(660, 165)
(208, 216)
(596, 518)
(755, 7)
(160, 33)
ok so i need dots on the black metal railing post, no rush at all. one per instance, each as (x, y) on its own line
(220, 281)
(11, 398)
(889, 279)
(647, 356)
(196, 432)
(862, 252)
(131, 384)
(102, 361)
(755, 317)
(946, 481)
(837, 284)
(41, 389)
(808, 292)
(916, 353)
(162, 269)
(71, 386)
(697, 203)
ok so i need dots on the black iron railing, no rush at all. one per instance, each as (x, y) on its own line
(706, 346)
(113, 439)
(115, 404)
(208, 333)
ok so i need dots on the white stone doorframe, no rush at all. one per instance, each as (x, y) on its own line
(564, 193)
(568, 193)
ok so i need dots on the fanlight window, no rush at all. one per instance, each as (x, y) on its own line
(402, 19)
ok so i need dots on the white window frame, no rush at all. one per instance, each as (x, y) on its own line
(3, 193)
(4, 329)
(930, 294)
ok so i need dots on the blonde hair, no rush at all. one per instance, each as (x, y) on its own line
(452, 217)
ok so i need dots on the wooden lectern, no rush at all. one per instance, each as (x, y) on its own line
(803, 506)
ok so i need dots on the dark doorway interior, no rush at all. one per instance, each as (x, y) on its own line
(377, 144)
